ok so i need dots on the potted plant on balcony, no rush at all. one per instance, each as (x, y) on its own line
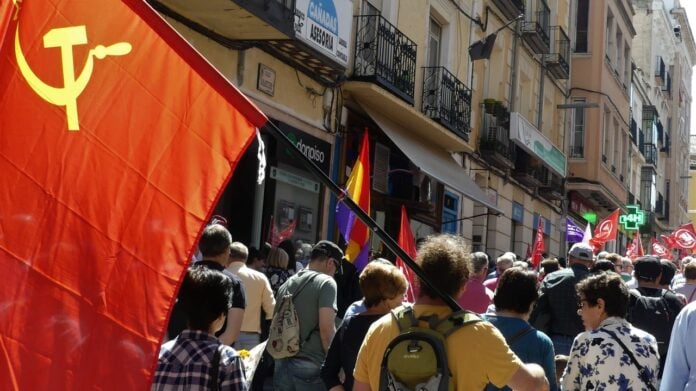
(489, 105)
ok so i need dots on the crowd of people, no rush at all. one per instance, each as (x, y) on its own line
(599, 322)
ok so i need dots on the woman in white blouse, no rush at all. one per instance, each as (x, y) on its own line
(611, 354)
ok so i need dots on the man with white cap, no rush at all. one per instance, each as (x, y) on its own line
(556, 313)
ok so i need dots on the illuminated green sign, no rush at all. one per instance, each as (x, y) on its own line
(634, 219)
(590, 217)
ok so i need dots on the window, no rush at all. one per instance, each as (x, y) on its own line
(624, 158)
(627, 66)
(434, 43)
(577, 140)
(618, 65)
(608, 36)
(615, 141)
(581, 21)
(606, 134)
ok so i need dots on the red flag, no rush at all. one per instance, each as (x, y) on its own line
(408, 244)
(635, 248)
(539, 245)
(528, 253)
(278, 235)
(684, 237)
(669, 242)
(606, 230)
(116, 141)
(657, 249)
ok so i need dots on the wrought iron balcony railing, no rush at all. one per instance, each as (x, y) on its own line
(633, 127)
(446, 100)
(510, 8)
(557, 59)
(495, 144)
(535, 28)
(649, 151)
(384, 55)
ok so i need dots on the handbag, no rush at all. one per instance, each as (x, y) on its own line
(641, 370)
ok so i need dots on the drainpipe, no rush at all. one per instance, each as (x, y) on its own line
(513, 69)
(540, 101)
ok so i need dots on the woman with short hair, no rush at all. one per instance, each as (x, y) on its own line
(277, 268)
(383, 286)
(611, 353)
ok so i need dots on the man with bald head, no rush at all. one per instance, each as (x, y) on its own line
(503, 263)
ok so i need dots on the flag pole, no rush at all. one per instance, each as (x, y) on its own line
(341, 195)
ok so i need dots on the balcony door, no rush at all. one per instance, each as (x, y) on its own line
(432, 75)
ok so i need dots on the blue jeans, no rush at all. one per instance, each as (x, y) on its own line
(562, 344)
(297, 374)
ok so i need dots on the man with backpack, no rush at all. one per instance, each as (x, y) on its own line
(427, 347)
(652, 308)
(304, 321)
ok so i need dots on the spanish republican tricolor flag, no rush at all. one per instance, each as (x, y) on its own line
(116, 140)
(355, 232)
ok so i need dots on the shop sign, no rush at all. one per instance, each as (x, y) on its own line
(315, 149)
(534, 142)
(326, 26)
(295, 180)
(266, 80)
(634, 219)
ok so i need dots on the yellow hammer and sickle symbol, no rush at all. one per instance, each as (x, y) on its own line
(65, 38)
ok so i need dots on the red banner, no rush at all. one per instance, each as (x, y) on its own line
(657, 249)
(408, 243)
(116, 140)
(634, 249)
(684, 237)
(539, 245)
(606, 230)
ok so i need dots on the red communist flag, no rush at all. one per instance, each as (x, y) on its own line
(684, 237)
(539, 245)
(116, 140)
(606, 230)
(408, 244)
(656, 248)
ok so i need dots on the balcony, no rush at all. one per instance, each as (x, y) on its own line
(446, 100)
(385, 56)
(495, 145)
(660, 206)
(633, 129)
(552, 189)
(557, 59)
(510, 8)
(649, 151)
(529, 171)
(535, 28)
(275, 26)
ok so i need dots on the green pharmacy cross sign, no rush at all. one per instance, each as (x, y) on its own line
(634, 219)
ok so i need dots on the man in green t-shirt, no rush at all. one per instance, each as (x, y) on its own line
(315, 304)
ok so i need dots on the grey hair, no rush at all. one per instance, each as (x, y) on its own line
(478, 261)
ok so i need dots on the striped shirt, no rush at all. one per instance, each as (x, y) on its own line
(185, 364)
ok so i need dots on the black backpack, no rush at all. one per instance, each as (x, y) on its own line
(651, 315)
(417, 359)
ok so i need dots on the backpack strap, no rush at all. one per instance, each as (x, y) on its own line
(525, 330)
(455, 321)
(692, 295)
(304, 284)
(215, 369)
(404, 317)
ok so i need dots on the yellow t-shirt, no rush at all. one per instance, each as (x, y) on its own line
(477, 353)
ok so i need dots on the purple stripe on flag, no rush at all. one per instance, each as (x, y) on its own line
(574, 233)
(363, 258)
(345, 219)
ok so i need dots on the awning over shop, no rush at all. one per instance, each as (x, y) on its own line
(432, 160)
